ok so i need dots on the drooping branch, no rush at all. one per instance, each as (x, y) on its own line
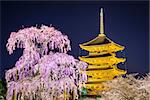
(54, 70)
(41, 72)
(46, 37)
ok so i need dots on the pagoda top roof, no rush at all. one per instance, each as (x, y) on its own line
(101, 43)
(100, 39)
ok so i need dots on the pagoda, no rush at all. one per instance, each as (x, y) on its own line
(102, 61)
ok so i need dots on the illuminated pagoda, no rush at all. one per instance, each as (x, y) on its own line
(102, 60)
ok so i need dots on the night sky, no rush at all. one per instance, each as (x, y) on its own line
(126, 23)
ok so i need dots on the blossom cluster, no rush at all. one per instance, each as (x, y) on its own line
(53, 71)
(42, 72)
(129, 88)
(47, 37)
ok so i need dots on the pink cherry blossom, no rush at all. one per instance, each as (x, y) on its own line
(44, 70)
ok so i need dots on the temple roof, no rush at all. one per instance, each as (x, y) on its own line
(96, 56)
(101, 44)
(109, 60)
(100, 39)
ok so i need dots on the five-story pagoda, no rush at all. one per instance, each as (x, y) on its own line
(102, 60)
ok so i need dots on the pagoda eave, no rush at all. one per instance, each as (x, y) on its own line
(103, 48)
(91, 80)
(90, 67)
(96, 87)
(105, 73)
(103, 60)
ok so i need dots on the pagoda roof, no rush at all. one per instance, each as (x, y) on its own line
(96, 56)
(104, 75)
(101, 44)
(99, 60)
(100, 39)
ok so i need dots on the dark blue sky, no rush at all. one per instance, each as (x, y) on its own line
(126, 23)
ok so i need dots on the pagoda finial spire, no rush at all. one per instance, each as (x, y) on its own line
(101, 22)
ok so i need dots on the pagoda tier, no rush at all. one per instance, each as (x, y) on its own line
(106, 59)
(93, 88)
(102, 61)
(103, 75)
(101, 44)
(94, 67)
(100, 75)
